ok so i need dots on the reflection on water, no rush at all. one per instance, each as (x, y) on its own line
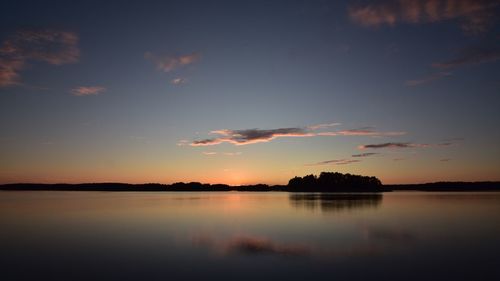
(249, 236)
(249, 245)
(332, 202)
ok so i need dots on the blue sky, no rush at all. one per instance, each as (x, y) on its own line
(125, 92)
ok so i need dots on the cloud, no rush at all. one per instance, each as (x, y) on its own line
(49, 46)
(183, 142)
(427, 79)
(9, 71)
(170, 63)
(87, 90)
(445, 144)
(367, 131)
(209, 153)
(251, 136)
(454, 139)
(344, 161)
(392, 145)
(470, 55)
(365, 154)
(178, 81)
(445, 160)
(373, 15)
(473, 16)
(322, 126)
(404, 145)
(399, 159)
(335, 162)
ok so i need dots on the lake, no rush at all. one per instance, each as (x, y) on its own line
(48, 235)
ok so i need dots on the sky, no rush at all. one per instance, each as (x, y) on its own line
(244, 92)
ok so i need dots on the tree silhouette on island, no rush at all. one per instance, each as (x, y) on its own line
(335, 182)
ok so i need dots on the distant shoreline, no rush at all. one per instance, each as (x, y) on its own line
(189, 187)
(447, 186)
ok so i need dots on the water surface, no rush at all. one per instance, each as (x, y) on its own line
(247, 236)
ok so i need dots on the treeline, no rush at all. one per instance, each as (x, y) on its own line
(448, 186)
(180, 186)
(325, 182)
(332, 182)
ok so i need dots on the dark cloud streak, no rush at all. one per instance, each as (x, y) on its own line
(335, 162)
(404, 145)
(365, 154)
(392, 145)
(470, 56)
(427, 79)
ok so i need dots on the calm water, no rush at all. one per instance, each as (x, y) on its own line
(249, 236)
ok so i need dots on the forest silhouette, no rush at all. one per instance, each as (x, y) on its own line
(325, 182)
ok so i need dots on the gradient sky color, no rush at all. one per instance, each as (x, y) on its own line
(243, 92)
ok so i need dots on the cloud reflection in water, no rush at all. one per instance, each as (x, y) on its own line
(250, 245)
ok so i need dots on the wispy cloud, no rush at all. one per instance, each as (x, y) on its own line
(445, 144)
(323, 126)
(50, 46)
(9, 71)
(87, 91)
(364, 154)
(344, 161)
(399, 159)
(170, 63)
(335, 162)
(183, 142)
(393, 145)
(405, 145)
(53, 47)
(366, 131)
(428, 79)
(210, 153)
(454, 139)
(178, 81)
(470, 55)
(251, 136)
(473, 16)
